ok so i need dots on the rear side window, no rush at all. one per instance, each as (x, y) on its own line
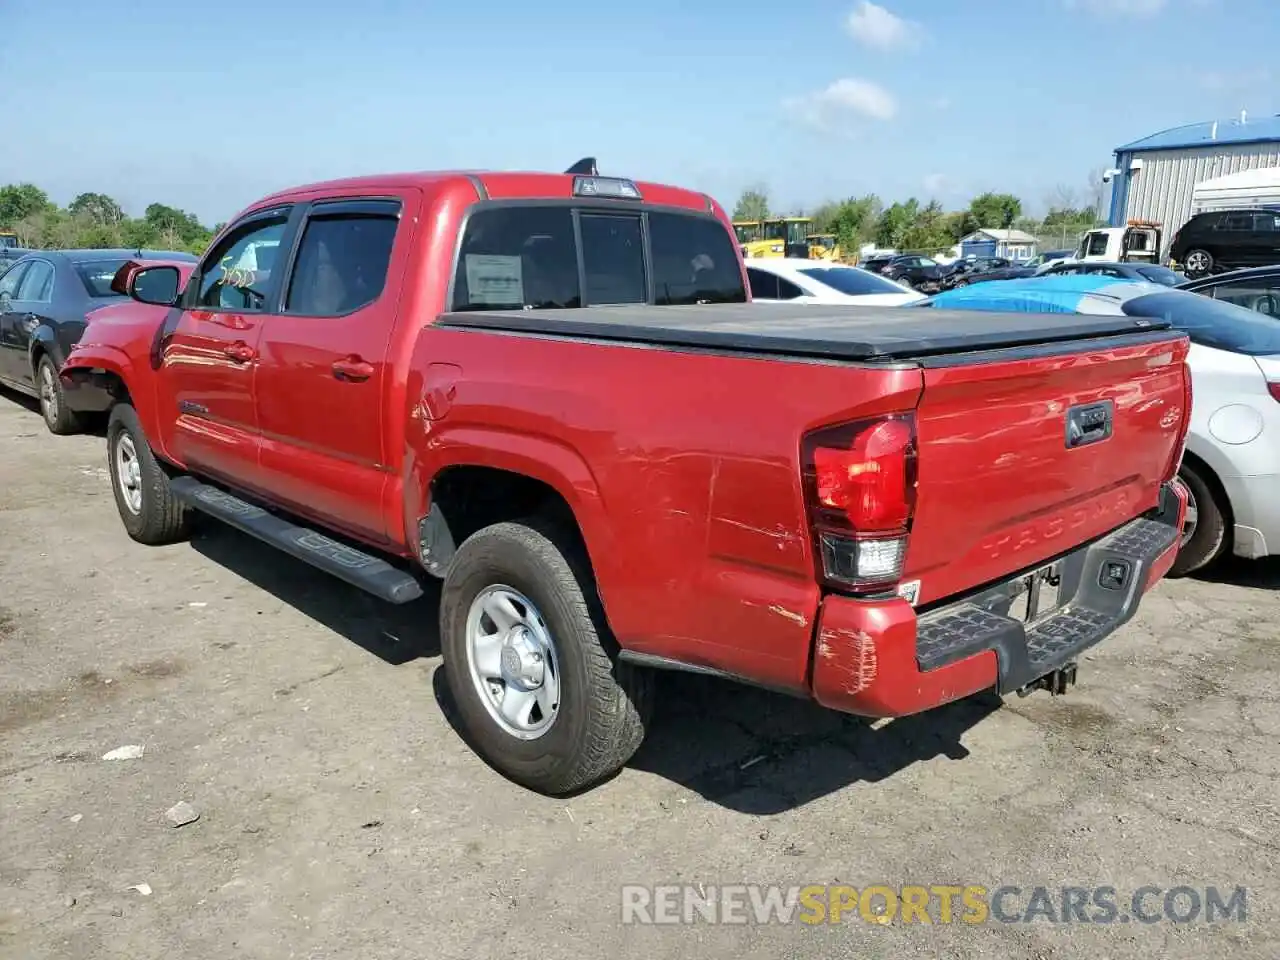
(694, 261)
(1211, 323)
(37, 285)
(342, 263)
(97, 275)
(764, 285)
(1261, 295)
(527, 257)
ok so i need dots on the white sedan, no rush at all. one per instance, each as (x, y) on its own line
(820, 281)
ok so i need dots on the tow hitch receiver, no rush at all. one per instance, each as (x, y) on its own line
(1056, 682)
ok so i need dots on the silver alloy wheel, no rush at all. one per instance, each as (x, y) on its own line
(48, 394)
(512, 662)
(1197, 262)
(1193, 515)
(129, 473)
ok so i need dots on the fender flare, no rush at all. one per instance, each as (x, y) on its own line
(549, 461)
(87, 357)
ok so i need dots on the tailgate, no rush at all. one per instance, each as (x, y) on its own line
(1025, 458)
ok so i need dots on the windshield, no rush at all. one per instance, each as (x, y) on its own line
(531, 258)
(850, 280)
(1160, 275)
(747, 232)
(1211, 323)
(96, 275)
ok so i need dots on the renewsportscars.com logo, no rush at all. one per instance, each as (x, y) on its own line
(934, 904)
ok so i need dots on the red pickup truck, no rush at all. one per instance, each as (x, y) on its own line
(551, 391)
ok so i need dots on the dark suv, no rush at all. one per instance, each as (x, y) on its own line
(1227, 240)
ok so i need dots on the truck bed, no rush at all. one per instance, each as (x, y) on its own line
(853, 333)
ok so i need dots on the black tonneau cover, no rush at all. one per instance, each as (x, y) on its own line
(807, 330)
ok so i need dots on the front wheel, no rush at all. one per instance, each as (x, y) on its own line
(529, 662)
(148, 508)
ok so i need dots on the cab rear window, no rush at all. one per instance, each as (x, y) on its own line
(530, 257)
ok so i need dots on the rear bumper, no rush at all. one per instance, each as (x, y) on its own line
(1255, 508)
(878, 659)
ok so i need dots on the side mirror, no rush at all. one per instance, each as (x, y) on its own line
(158, 286)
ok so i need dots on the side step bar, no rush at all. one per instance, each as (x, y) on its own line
(357, 568)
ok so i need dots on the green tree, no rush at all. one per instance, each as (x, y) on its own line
(752, 205)
(891, 228)
(18, 201)
(97, 207)
(853, 221)
(929, 231)
(995, 209)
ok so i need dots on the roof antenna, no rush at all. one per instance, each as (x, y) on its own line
(586, 167)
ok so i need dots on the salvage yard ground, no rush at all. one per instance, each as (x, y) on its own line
(340, 815)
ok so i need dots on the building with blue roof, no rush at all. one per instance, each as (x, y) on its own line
(1153, 178)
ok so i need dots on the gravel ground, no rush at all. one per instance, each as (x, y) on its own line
(340, 814)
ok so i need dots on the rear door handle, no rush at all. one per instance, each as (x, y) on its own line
(240, 352)
(352, 368)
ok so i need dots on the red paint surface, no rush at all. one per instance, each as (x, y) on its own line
(689, 499)
(864, 662)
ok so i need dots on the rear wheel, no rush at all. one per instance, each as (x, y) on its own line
(530, 662)
(58, 417)
(1198, 263)
(1204, 533)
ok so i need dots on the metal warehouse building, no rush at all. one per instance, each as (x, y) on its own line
(1154, 177)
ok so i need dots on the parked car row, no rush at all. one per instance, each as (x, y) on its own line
(538, 400)
(46, 297)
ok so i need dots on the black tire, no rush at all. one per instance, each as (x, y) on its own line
(1210, 539)
(1204, 267)
(161, 518)
(58, 417)
(604, 704)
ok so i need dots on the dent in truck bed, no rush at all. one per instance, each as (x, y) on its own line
(853, 333)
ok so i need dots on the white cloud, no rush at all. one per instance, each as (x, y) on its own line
(1118, 8)
(843, 100)
(874, 26)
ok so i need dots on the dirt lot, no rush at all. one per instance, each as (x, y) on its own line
(342, 816)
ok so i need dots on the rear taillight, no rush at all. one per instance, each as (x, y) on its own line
(1175, 464)
(1274, 390)
(860, 484)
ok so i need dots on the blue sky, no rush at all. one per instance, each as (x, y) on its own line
(207, 108)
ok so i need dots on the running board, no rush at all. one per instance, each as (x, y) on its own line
(357, 568)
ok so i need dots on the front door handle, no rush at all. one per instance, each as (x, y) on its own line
(352, 368)
(240, 352)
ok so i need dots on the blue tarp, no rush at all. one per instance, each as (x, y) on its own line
(1054, 294)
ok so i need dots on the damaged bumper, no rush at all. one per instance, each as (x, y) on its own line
(881, 659)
